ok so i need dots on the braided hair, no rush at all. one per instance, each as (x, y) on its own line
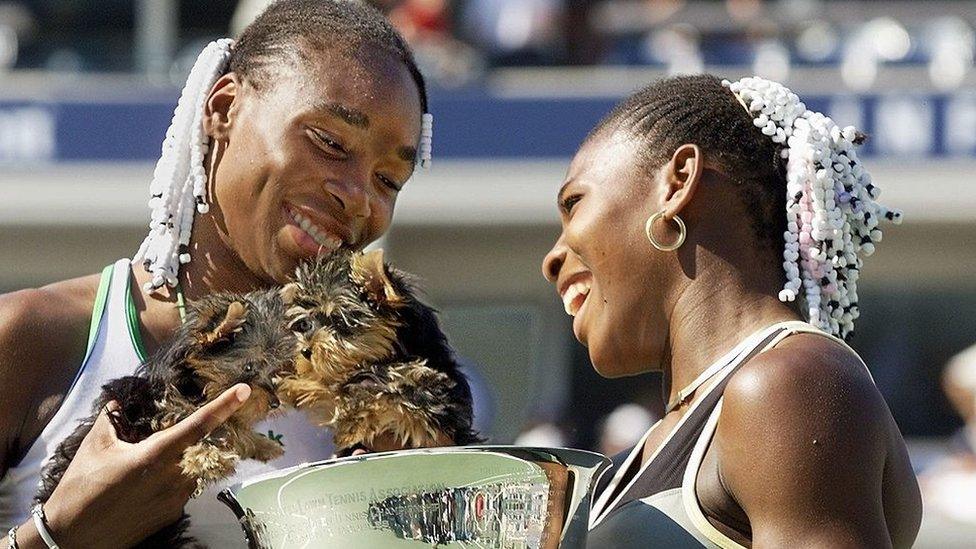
(797, 172)
(279, 38)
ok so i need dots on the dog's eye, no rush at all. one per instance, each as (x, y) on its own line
(301, 325)
(248, 368)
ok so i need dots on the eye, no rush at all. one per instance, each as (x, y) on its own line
(327, 142)
(301, 325)
(389, 183)
(569, 201)
(248, 369)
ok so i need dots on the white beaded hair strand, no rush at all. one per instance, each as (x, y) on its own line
(832, 215)
(179, 184)
(426, 140)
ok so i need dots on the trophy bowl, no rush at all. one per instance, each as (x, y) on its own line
(469, 496)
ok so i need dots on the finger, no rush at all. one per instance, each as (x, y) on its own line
(103, 432)
(201, 422)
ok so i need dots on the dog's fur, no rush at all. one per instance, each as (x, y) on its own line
(226, 339)
(374, 360)
(349, 342)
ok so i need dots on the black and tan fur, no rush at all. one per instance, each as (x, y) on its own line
(374, 360)
(226, 339)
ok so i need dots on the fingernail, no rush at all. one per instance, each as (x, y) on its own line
(243, 392)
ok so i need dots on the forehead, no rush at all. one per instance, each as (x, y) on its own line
(369, 81)
(606, 157)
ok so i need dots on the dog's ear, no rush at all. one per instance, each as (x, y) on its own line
(288, 293)
(369, 271)
(234, 317)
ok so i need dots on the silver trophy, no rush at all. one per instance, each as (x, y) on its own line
(502, 497)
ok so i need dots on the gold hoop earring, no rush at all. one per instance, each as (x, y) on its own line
(682, 233)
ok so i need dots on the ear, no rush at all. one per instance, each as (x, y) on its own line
(234, 318)
(221, 106)
(683, 174)
(369, 270)
(288, 293)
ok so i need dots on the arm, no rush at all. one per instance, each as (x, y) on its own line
(109, 478)
(43, 334)
(802, 444)
(42, 342)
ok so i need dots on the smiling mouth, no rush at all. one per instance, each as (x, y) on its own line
(574, 297)
(321, 236)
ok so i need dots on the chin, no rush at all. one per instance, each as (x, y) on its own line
(612, 367)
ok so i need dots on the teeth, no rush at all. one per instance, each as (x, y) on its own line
(572, 293)
(319, 235)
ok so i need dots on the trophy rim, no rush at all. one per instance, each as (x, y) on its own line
(600, 461)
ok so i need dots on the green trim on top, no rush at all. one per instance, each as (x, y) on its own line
(133, 319)
(101, 297)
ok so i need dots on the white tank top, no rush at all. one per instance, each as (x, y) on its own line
(115, 350)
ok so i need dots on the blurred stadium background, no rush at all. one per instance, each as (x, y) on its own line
(87, 88)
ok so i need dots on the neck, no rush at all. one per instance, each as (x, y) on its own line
(712, 315)
(215, 267)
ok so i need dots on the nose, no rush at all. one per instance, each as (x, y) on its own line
(352, 196)
(553, 262)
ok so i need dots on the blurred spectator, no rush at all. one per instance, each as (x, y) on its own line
(959, 383)
(515, 32)
(546, 435)
(421, 20)
(428, 26)
(623, 428)
(949, 486)
(16, 23)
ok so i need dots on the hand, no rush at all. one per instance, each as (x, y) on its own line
(115, 494)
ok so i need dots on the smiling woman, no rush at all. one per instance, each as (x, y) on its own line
(714, 232)
(290, 142)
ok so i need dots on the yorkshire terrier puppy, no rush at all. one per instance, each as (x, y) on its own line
(373, 358)
(226, 339)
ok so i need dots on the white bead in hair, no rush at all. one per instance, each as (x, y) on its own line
(179, 185)
(426, 140)
(831, 213)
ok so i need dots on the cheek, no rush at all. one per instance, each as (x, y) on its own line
(381, 216)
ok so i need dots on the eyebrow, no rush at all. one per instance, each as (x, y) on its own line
(348, 115)
(359, 119)
(408, 154)
(559, 195)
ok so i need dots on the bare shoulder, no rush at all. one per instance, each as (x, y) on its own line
(804, 438)
(807, 375)
(810, 396)
(43, 335)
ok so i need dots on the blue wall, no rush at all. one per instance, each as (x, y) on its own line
(468, 125)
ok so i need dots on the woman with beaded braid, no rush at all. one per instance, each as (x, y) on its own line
(713, 231)
(290, 142)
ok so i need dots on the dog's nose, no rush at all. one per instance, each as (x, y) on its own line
(274, 403)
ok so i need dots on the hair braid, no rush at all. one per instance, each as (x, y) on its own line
(179, 180)
(832, 216)
(782, 158)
